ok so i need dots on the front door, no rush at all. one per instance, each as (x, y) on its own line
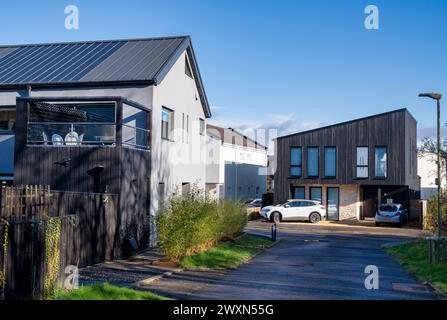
(333, 204)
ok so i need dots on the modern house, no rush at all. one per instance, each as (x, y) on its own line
(126, 117)
(236, 166)
(428, 171)
(351, 167)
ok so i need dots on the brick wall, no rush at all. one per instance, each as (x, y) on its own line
(349, 202)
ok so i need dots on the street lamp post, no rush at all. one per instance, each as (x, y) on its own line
(437, 97)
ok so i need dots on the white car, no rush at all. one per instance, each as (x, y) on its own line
(305, 210)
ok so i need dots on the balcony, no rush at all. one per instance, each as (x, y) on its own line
(78, 122)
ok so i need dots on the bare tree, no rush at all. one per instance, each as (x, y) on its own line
(428, 147)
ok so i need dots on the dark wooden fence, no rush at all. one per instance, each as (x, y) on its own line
(90, 233)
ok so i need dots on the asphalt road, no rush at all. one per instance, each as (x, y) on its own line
(310, 262)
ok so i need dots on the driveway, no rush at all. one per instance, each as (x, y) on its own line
(326, 261)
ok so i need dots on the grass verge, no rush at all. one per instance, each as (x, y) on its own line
(414, 256)
(105, 291)
(227, 255)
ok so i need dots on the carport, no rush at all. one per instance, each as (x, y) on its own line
(371, 196)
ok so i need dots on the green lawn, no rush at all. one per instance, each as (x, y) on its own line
(414, 256)
(105, 291)
(227, 255)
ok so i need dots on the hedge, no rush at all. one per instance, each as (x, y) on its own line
(193, 222)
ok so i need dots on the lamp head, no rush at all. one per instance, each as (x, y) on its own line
(434, 96)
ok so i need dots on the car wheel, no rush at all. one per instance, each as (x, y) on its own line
(377, 224)
(276, 217)
(314, 217)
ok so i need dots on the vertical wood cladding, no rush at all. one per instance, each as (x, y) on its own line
(389, 130)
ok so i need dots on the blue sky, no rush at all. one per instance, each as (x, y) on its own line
(287, 64)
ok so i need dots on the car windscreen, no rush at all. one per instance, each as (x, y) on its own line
(389, 208)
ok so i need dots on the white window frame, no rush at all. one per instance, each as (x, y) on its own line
(170, 123)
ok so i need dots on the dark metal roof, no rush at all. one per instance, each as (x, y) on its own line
(231, 136)
(95, 62)
(348, 122)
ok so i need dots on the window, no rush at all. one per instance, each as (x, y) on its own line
(296, 162)
(161, 195)
(330, 162)
(312, 162)
(316, 194)
(362, 162)
(241, 156)
(298, 192)
(248, 157)
(381, 162)
(202, 127)
(188, 70)
(183, 127)
(186, 188)
(166, 123)
(7, 118)
(187, 128)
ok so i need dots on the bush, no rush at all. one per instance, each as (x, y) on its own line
(431, 219)
(192, 223)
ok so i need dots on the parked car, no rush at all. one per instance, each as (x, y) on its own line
(248, 201)
(304, 210)
(392, 214)
(254, 209)
(256, 203)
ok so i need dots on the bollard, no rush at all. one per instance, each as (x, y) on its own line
(274, 232)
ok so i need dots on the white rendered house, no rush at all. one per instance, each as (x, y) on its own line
(428, 171)
(237, 165)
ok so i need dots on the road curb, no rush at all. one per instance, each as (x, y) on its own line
(146, 282)
(438, 291)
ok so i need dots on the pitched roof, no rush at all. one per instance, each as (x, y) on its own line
(231, 136)
(96, 63)
(348, 122)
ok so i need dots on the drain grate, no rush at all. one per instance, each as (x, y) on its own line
(413, 288)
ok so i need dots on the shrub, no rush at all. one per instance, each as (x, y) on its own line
(233, 219)
(192, 223)
(431, 219)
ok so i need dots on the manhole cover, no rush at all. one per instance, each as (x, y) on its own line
(408, 287)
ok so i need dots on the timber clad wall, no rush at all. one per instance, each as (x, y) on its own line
(391, 130)
(108, 207)
(92, 231)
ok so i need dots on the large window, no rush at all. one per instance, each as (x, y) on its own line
(298, 192)
(72, 124)
(362, 162)
(296, 162)
(167, 118)
(330, 162)
(381, 162)
(316, 194)
(312, 162)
